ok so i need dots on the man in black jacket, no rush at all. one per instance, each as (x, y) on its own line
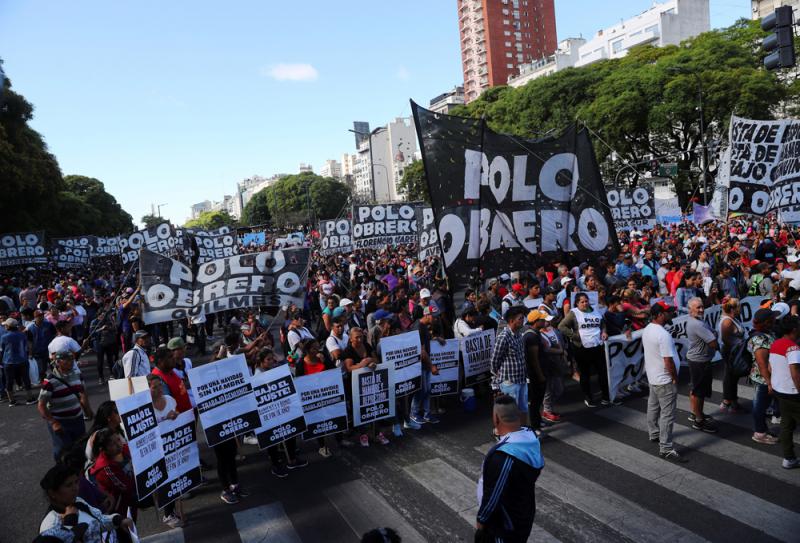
(506, 490)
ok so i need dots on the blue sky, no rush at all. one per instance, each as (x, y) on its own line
(174, 102)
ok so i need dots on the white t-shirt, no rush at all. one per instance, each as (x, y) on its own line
(532, 303)
(63, 343)
(333, 343)
(161, 414)
(589, 327)
(657, 344)
(781, 376)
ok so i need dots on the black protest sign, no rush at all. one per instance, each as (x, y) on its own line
(208, 247)
(279, 406)
(225, 399)
(428, 237)
(404, 353)
(144, 441)
(632, 209)
(161, 239)
(172, 291)
(22, 248)
(181, 456)
(373, 394)
(386, 224)
(503, 203)
(73, 252)
(335, 237)
(106, 246)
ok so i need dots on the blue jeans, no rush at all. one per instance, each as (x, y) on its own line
(761, 400)
(518, 391)
(422, 396)
(71, 431)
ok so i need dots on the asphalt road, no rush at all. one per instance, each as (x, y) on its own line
(603, 481)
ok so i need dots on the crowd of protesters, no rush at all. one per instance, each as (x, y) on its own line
(551, 322)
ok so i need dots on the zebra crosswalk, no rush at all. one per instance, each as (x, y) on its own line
(603, 481)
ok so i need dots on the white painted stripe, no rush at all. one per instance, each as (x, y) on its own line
(730, 501)
(364, 509)
(170, 536)
(742, 420)
(743, 391)
(746, 457)
(458, 492)
(606, 506)
(265, 523)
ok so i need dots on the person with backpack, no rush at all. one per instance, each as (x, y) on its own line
(732, 338)
(760, 283)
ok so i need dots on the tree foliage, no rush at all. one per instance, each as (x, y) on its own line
(414, 185)
(35, 195)
(646, 104)
(151, 221)
(297, 199)
(211, 220)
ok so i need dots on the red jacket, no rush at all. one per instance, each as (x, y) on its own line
(112, 479)
(176, 389)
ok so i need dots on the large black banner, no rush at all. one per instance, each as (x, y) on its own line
(385, 224)
(161, 239)
(23, 248)
(172, 291)
(73, 252)
(632, 209)
(335, 237)
(106, 246)
(428, 241)
(213, 246)
(502, 203)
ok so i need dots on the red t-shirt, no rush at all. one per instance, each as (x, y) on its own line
(176, 389)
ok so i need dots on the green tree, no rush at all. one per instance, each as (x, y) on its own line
(256, 211)
(211, 220)
(304, 198)
(112, 218)
(151, 221)
(414, 185)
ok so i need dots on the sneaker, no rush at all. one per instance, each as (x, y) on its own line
(229, 497)
(397, 430)
(790, 463)
(347, 443)
(764, 438)
(432, 419)
(236, 489)
(635, 388)
(298, 463)
(775, 420)
(673, 456)
(364, 440)
(590, 403)
(615, 402)
(250, 440)
(30, 401)
(280, 471)
(417, 420)
(705, 426)
(382, 439)
(13, 403)
(325, 452)
(705, 417)
(552, 417)
(172, 521)
(653, 439)
(411, 424)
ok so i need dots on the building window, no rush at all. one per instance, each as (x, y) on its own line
(509, 55)
(616, 46)
(506, 22)
(506, 32)
(510, 66)
(508, 44)
(505, 12)
(653, 28)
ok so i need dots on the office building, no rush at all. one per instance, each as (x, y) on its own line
(762, 8)
(331, 168)
(497, 36)
(445, 102)
(394, 147)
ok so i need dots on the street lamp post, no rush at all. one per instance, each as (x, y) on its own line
(371, 163)
(159, 206)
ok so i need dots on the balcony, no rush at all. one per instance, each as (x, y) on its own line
(641, 38)
(594, 56)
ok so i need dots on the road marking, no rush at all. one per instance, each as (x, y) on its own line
(746, 457)
(740, 420)
(618, 513)
(265, 523)
(458, 492)
(730, 501)
(743, 391)
(170, 536)
(364, 509)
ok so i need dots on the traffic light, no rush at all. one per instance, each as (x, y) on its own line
(779, 44)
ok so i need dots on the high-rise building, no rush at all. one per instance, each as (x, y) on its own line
(394, 147)
(331, 168)
(361, 131)
(497, 36)
(762, 8)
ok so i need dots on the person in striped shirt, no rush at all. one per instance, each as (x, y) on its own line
(63, 403)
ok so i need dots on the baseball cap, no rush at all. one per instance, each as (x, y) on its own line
(518, 288)
(176, 343)
(536, 315)
(344, 302)
(659, 308)
(140, 334)
(565, 280)
(551, 289)
(782, 308)
(493, 281)
(763, 315)
(504, 277)
(424, 293)
(382, 314)
(13, 323)
(338, 312)
(431, 310)
(64, 355)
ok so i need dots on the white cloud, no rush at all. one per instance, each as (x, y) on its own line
(402, 73)
(291, 72)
